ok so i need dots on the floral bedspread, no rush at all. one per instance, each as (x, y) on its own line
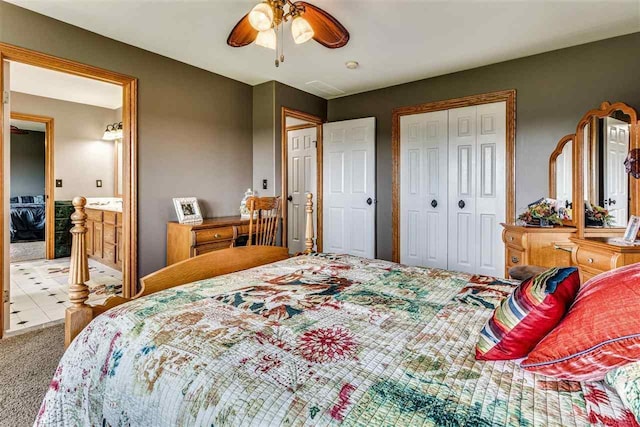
(313, 340)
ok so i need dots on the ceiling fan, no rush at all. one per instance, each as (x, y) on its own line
(308, 22)
(17, 131)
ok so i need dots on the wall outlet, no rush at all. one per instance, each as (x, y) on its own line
(264, 184)
(99, 183)
(58, 183)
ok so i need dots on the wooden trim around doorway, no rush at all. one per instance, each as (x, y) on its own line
(130, 119)
(317, 122)
(509, 96)
(49, 189)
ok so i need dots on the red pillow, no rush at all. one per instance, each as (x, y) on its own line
(600, 332)
(528, 314)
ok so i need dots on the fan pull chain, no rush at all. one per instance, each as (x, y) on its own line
(282, 42)
(277, 62)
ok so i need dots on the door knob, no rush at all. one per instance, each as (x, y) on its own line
(461, 204)
(611, 202)
(290, 198)
(369, 201)
(434, 203)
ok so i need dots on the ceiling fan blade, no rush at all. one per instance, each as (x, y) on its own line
(327, 30)
(242, 34)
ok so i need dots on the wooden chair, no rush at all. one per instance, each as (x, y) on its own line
(264, 214)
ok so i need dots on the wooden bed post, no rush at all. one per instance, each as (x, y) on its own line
(79, 314)
(308, 235)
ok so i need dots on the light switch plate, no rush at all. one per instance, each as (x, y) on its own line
(98, 183)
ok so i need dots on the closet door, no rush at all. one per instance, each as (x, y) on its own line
(477, 178)
(462, 190)
(423, 193)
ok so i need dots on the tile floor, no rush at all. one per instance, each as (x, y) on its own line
(39, 290)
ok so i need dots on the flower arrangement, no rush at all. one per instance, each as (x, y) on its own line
(598, 216)
(543, 213)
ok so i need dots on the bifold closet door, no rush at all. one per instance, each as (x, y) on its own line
(477, 178)
(423, 192)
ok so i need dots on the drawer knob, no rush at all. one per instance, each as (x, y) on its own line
(217, 235)
(515, 259)
(590, 260)
(511, 238)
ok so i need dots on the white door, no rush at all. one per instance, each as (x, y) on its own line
(302, 163)
(616, 186)
(349, 188)
(423, 189)
(564, 173)
(477, 178)
(6, 132)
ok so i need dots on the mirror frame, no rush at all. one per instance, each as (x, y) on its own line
(605, 110)
(553, 170)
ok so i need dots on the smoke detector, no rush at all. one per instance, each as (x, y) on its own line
(352, 65)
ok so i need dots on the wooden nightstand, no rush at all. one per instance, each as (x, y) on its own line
(595, 255)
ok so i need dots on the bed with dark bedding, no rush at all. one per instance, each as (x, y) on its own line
(312, 340)
(27, 218)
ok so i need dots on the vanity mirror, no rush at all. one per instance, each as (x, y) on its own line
(561, 173)
(603, 140)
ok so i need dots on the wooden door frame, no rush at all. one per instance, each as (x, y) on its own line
(48, 177)
(284, 144)
(130, 135)
(508, 96)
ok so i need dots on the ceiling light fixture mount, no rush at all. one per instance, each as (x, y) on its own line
(264, 24)
(352, 65)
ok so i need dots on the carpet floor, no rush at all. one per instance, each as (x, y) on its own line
(26, 251)
(27, 363)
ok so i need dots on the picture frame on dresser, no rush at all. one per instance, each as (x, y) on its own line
(633, 227)
(187, 209)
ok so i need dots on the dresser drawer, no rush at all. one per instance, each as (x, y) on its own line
(213, 235)
(514, 238)
(594, 260)
(94, 215)
(514, 257)
(210, 247)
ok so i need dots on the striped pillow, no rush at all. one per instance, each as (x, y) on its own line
(528, 314)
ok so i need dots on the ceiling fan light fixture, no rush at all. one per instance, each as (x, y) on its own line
(301, 30)
(261, 17)
(267, 38)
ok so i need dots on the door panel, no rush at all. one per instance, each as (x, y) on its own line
(349, 184)
(301, 177)
(423, 205)
(6, 132)
(462, 194)
(491, 197)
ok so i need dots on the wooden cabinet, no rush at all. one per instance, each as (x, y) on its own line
(104, 237)
(186, 241)
(596, 255)
(543, 247)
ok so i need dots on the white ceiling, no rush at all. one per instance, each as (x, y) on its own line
(394, 41)
(67, 87)
(25, 125)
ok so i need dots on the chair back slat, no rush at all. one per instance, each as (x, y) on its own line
(264, 218)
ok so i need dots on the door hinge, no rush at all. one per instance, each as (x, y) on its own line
(5, 97)
(5, 296)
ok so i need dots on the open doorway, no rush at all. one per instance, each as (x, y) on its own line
(94, 111)
(301, 174)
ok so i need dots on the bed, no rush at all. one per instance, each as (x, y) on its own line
(27, 218)
(317, 339)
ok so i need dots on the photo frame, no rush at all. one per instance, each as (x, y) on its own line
(633, 227)
(187, 209)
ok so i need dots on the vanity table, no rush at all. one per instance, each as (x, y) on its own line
(586, 169)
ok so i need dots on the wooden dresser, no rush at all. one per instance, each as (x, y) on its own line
(104, 237)
(543, 247)
(595, 255)
(189, 240)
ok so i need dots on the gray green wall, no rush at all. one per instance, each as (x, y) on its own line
(268, 100)
(194, 127)
(554, 90)
(27, 164)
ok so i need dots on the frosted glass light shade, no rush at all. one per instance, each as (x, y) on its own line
(301, 30)
(261, 17)
(267, 39)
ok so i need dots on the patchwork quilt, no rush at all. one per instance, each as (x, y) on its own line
(312, 340)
